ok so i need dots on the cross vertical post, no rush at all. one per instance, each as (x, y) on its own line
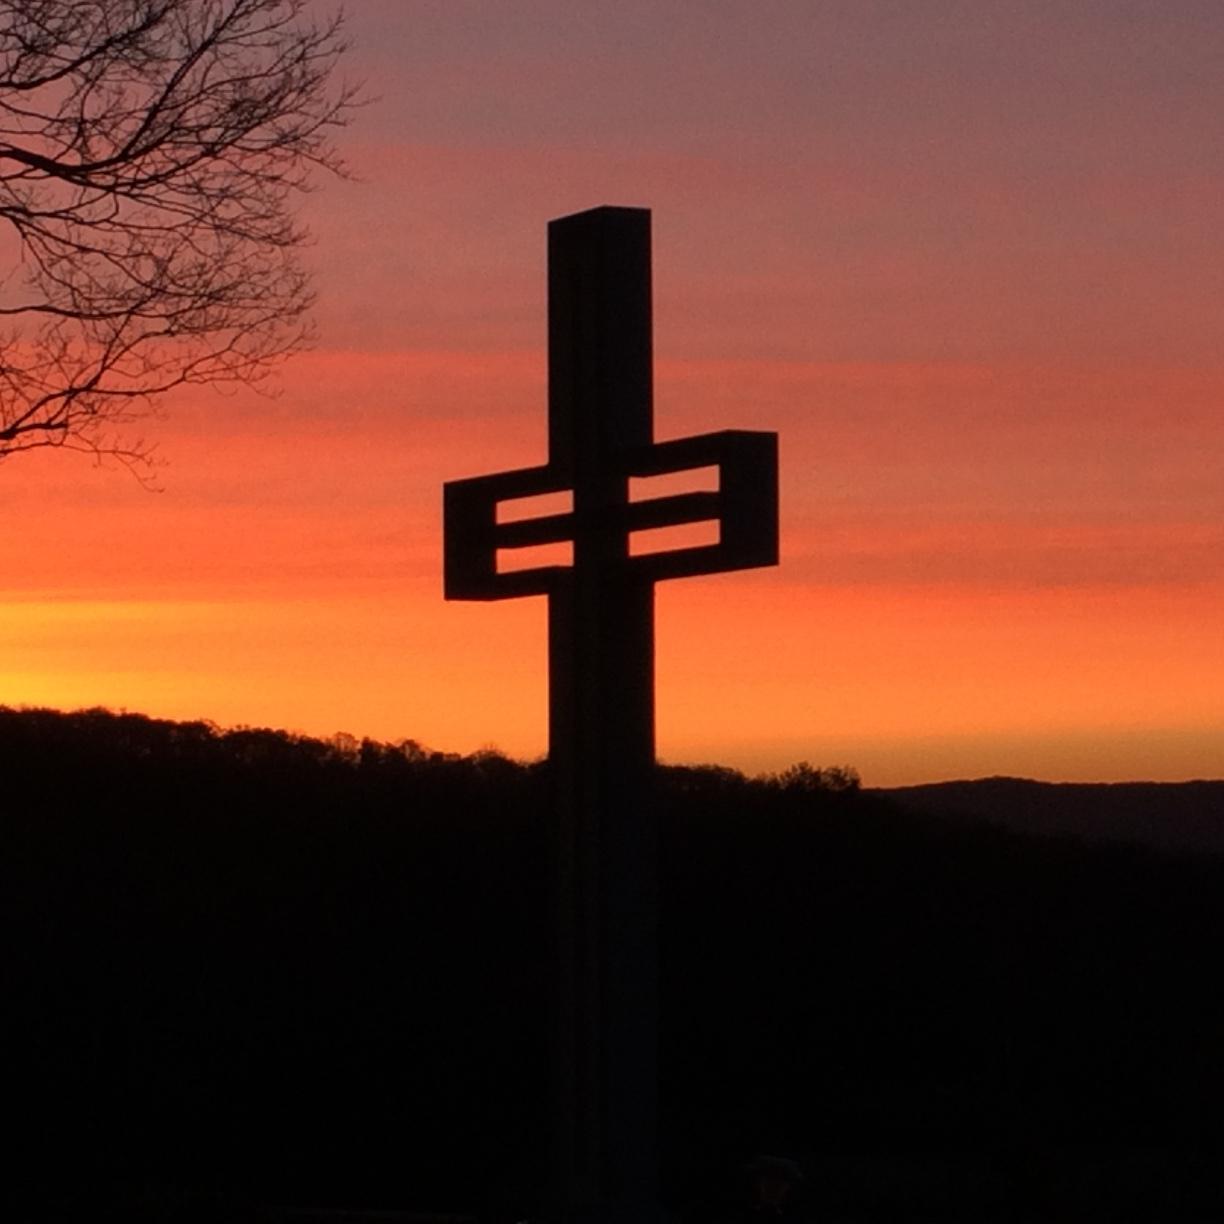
(601, 680)
(601, 719)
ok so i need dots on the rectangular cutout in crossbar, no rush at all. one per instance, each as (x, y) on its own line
(538, 505)
(537, 556)
(690, 480)
(669, 539)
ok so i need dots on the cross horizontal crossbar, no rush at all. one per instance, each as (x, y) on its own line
(745, 507)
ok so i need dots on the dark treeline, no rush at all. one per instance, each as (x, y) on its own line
(248, 967)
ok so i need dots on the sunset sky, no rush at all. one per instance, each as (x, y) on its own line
(965, 256)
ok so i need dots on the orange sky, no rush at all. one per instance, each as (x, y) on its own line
(966, 262)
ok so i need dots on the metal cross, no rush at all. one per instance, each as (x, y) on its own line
(601, 674)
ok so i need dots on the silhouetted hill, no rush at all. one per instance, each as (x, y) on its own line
(1171, 816)
(250, 967)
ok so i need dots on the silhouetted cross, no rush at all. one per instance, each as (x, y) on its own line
(601, 675)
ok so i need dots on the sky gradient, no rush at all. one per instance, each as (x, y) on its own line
(964, 257)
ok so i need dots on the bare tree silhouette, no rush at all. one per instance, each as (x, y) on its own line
(149, 154)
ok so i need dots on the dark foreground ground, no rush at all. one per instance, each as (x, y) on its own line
(246, 973)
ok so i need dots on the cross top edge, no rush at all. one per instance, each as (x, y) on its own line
(607, 211)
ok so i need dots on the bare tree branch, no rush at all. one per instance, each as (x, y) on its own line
(149, 154)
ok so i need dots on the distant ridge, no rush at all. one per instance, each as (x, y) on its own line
(1178, 817)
